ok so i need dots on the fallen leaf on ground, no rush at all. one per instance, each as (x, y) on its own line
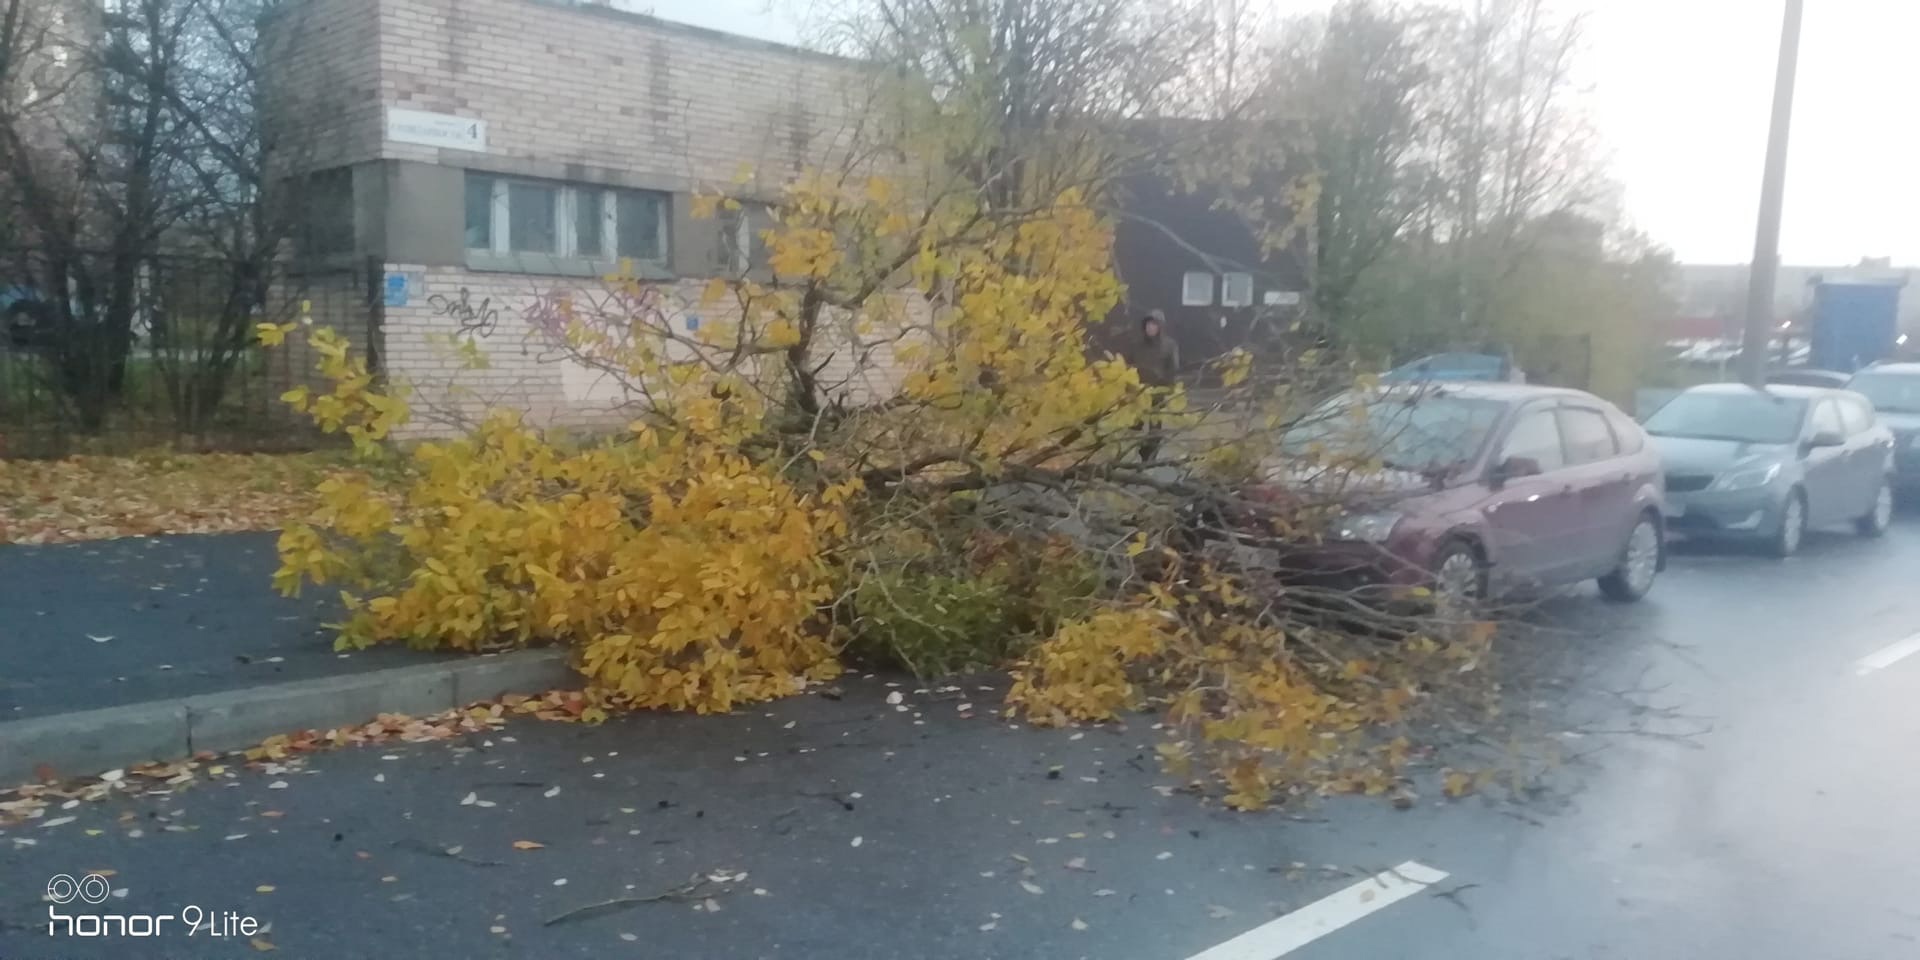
(1031, 887)
(1079, 924)
(262, 945)
(528, 845)
(1218, 912)
(98, 498)
(264, 888)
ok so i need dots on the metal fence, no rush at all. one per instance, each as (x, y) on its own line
(105, 353)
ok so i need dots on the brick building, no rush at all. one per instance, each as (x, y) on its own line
(484, 154)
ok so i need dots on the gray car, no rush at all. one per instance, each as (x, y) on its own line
(1767, 465)
(1894, 389)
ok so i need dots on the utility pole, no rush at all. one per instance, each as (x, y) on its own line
(1766, 243)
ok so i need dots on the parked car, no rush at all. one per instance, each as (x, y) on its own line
(1769, 464)
(27, 316)
(1456, 367)
(1809, 377)
(1488, 487)
(1894, 389)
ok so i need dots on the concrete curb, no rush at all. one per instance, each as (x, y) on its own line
(89, 741)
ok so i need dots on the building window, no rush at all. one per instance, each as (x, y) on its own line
(479, 213)
(530, 218)
(510, 216)
(589, 221)
(1236, 290)
(640, 225)
(1196, 289)
(734, 247)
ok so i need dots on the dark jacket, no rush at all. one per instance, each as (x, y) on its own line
(1157, 359)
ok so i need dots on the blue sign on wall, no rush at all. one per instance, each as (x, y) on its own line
(396, 289)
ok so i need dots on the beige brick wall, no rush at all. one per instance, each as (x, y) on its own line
(564, 84)
(569, 91)
(525, 369)
(322, 82)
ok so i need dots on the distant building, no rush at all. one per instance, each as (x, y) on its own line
(1711, 299)
(476, 155)
(1182, 252)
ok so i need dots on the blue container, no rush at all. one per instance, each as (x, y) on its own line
(1854, 323)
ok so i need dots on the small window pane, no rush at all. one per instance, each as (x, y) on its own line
(1196, 289)
(1626, 433)
(530, 219)
(1536, 437)
(1588, 438)
(587, 218)
(479, 213)
(1236, 290)
(636, 222)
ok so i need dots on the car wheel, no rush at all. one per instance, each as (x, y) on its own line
(1459, 575)
(1793, 526)
(1639, 563)
(1876, 521)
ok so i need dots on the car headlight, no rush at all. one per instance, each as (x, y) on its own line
(1367, 527)
(1747, 478)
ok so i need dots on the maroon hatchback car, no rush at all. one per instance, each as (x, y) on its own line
(1485, 487)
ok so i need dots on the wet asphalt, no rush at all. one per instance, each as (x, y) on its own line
(1735, 788)
(106, 623)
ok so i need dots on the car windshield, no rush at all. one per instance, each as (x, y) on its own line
(1890, 392)
(1424, 432)
(1747, 417)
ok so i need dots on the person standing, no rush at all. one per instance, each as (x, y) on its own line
(1157, 360)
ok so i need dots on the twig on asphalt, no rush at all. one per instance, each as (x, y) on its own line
(451, 853)
(841, 799)
(1453, 896)
(781, 822)
(691, 890)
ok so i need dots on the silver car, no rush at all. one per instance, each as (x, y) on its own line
(1767, 465)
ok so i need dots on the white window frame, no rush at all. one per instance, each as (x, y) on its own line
(1188, 297)
(1232, 283)
(567, 197)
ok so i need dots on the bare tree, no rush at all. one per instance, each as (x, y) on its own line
(151, 144)
(1357, 87)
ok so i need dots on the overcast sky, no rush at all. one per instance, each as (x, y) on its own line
(1681, 89)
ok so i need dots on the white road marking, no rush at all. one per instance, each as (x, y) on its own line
(1277, 938)
(1887, 656)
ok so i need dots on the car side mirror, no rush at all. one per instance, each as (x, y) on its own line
(1513, 468)
(1826, 438)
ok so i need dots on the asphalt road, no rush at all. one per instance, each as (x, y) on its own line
(1744, 793)
(105, 623)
